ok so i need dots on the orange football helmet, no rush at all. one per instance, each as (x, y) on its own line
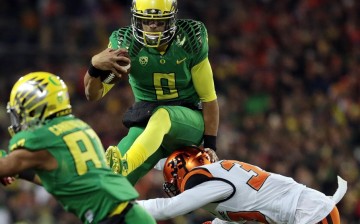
(178, 164)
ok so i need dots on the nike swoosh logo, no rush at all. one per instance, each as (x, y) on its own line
(180, 61)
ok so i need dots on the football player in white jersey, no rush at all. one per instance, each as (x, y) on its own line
(238, 192)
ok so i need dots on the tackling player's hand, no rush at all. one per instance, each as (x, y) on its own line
(213, 157)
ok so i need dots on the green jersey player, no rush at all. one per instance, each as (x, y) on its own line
(172, 81)
(65, 154)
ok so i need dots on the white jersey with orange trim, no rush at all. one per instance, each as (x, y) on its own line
(236, 192)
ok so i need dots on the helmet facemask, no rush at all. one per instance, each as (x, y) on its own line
(15, 120)
(171, 188)
(164, 16)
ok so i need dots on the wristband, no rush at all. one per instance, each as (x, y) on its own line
(95, 72)
(210, 142)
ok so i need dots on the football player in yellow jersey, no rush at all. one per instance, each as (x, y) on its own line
(171, 79)
(51, 147)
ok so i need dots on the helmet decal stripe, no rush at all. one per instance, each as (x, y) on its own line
(33, 92)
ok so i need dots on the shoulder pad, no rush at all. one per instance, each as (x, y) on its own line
(193, 31)
(123, 38)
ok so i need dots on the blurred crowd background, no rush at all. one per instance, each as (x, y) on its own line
(287, 75)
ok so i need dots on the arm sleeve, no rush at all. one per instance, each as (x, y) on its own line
(203, 80)
(219, 221)
(189, 200)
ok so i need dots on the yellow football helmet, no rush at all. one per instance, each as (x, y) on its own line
(36, 97)
(161, 12)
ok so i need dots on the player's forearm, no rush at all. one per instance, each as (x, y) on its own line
(204, 84)
(166, 208)
(211, 117)
(14, 164)
(7, 166)
(93, 87)
(187, 201)
(8, 169)
(161, 208)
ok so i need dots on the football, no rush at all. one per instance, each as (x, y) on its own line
(112, 78)
(124, 64)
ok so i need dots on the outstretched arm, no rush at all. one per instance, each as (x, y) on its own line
(187, 201)
(93, 87)
(21, 163)
(28, 175)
